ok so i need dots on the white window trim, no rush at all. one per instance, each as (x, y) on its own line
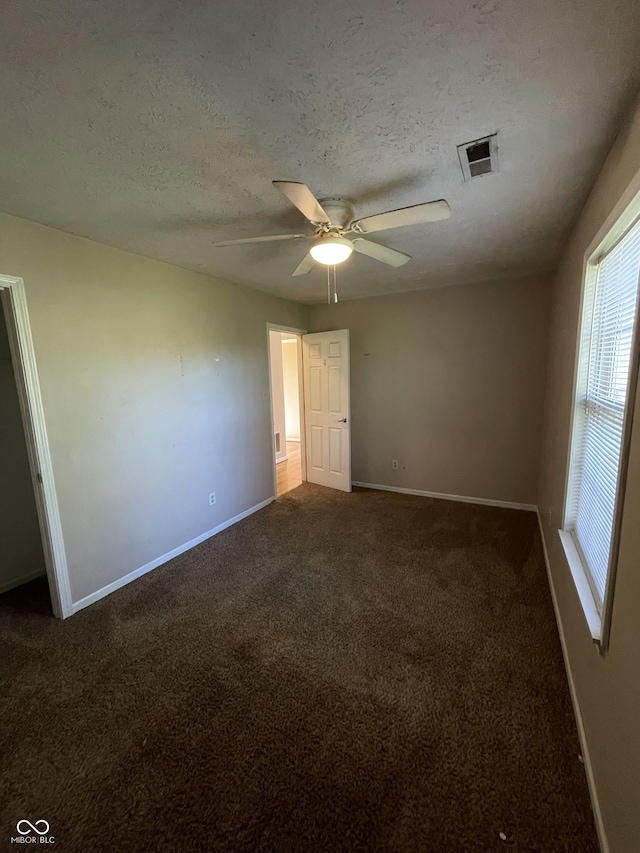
(582, 584)
(599, 620)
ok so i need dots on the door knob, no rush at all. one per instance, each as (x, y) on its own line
(342, 421)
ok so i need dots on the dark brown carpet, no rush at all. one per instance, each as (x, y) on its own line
(364, 672)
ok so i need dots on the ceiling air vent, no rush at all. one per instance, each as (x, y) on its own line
(479, 157)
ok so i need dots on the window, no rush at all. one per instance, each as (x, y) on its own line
(607, 372)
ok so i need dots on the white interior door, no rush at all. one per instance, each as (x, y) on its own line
(327, 408)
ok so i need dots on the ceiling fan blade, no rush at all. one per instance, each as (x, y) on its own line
(305, 266)
(269, 239)
(430, 211)
(381, 253)
(304, 200)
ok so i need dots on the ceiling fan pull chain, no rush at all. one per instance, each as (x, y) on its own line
(328, 287)
(335, 285)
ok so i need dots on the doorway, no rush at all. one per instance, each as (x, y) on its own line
(31, 533)
(317, 430)
(20, 543)
(285, 368)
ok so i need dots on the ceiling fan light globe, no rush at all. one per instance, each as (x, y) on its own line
(331, 250)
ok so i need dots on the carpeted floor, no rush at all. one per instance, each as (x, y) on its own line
(363, 672)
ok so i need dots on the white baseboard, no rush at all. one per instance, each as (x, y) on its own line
(462, 498)
(5, 587)
(159, 561)
(591, 782)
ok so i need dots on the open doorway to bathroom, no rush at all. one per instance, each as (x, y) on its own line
(285, 353)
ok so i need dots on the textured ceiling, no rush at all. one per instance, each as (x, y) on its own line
(158, 126)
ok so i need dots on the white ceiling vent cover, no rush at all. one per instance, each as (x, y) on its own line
(479, 157)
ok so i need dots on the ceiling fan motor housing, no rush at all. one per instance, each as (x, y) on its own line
(341, 212)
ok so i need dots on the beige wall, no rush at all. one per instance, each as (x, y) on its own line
(155, 390)
(450, 383)
(21, 556)
(277, 394)
(291, 388)
(607, 688)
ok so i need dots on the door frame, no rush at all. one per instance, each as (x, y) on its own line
(275, 327)
(23, 358)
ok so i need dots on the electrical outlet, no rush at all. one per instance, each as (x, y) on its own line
(394, 464)
(212, 498)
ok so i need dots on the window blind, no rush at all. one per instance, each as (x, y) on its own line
(610, 312)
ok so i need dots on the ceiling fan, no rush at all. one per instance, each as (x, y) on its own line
(333, 218)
